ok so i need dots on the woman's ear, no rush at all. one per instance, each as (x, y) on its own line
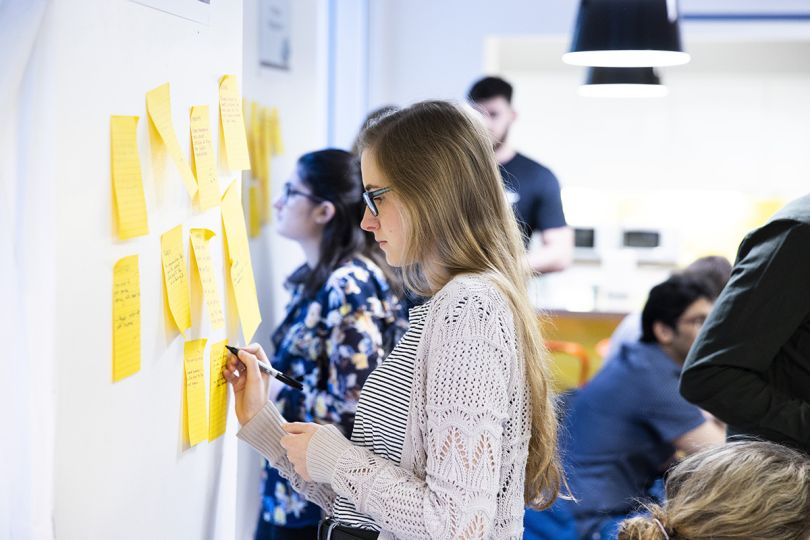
(324, 213)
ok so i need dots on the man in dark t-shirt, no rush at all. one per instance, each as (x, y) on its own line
(532, 188)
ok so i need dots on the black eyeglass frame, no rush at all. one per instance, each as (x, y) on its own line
(290, 191)
(369, 196)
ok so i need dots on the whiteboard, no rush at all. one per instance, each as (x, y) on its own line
(121, 468)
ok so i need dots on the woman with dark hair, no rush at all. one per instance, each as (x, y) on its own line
(341, 320)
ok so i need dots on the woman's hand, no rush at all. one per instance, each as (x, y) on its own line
(296, 444)
(249, 383)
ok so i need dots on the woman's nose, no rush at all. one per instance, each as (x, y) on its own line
(369, 221)
(278, 203)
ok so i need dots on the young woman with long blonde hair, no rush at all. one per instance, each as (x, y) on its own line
(738, 491)
(455, 431)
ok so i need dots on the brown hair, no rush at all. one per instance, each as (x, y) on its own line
(440, 163)
(741, 490)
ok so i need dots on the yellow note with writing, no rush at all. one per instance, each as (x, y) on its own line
(195, 406)
(254, 212)
(204, 162)
(159, 107)
(218, 401)
(233, 124)
(126, 318)
(202, 256)
(175, 277)
(127, 182)
(241, 269)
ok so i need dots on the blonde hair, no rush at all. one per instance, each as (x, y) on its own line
(439, 161)
(737, 491)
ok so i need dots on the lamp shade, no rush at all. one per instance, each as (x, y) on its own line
(622, 82)
(627, 33)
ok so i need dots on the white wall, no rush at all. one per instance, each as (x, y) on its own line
(121, 468)
(423, 49)
(301, 95)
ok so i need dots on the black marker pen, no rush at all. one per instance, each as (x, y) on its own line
(270, 370)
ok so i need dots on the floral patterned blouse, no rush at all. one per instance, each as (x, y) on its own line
(331, 342)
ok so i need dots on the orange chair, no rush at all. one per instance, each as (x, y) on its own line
(576, 351)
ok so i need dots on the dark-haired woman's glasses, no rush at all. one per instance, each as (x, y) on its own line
(370, 196)
(289, 191)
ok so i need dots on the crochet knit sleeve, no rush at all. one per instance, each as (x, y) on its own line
(263, 432)
(470, 358)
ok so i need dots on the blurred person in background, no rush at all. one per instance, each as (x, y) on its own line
(714, 270)
(629, 422)
(532, 188)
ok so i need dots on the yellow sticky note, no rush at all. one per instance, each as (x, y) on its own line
(275, 123)
(267, 165)
(204, 163)
(233, 124)
(159, 107)
(130, 203)
(195, 407)
(218, 400)
(175, 277)
(199, 245)
(252, 135)
(126, 318)
(254, 212)
(241, 269)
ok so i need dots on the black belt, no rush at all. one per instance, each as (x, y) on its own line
(329, 529)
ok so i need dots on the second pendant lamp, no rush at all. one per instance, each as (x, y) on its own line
(622, 83)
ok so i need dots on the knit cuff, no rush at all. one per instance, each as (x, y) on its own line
(325, 448)
(263, 432)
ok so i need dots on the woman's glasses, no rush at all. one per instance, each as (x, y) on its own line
(369, 196)
(289, 191)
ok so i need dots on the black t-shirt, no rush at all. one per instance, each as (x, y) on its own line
(535, 194)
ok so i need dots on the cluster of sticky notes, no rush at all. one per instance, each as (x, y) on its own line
(265, 141)
(240, 150)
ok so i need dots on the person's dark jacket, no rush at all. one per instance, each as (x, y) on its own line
(750, 365)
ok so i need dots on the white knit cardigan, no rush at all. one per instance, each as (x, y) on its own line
(463, 463)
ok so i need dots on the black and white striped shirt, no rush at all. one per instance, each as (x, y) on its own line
(382, 412)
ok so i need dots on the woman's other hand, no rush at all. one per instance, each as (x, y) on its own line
(296, 444)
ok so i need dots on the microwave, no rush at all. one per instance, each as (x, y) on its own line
(649, 245)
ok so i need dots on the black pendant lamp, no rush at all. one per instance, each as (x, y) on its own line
(622, 82)
(627, 33)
